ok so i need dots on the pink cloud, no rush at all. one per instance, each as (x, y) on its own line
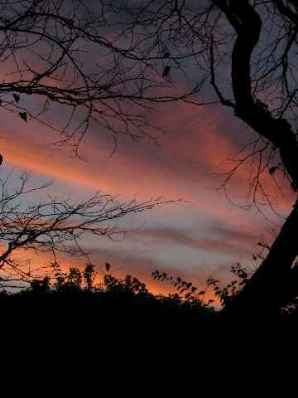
(196, 147)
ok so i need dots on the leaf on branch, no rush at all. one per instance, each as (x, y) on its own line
(166, 71)
(24, 116)
(16, 97)
(108, 267)
(272, 170)
(1, 159)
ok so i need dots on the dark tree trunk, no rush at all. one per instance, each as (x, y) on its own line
(275, 281)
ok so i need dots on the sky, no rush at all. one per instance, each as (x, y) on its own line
(208, 229)
(200, 236)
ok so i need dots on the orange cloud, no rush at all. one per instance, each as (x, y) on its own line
(196, 147)
(38, 264)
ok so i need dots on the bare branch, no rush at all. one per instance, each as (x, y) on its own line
(59, 226)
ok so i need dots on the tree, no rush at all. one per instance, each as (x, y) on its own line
(139, 51)
(257, 42)
(55, 227)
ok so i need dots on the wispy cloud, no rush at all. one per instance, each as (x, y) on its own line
(186, 165)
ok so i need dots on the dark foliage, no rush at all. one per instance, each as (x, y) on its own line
(126, 305)
(121, 306)
(121, 326)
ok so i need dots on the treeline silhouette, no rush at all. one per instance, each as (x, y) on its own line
(76, 298)
(72, 314)
(125, 303)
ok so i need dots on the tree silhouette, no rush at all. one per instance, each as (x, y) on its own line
(256, 42)
(107, 62)
(127, 294)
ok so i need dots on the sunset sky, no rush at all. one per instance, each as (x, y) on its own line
(207, 231)
(201, 236)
